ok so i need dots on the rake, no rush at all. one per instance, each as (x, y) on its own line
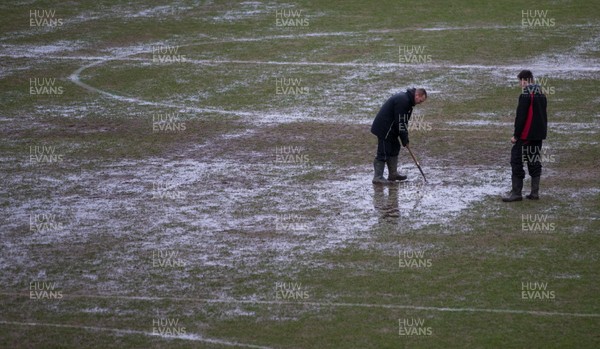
(416, 162)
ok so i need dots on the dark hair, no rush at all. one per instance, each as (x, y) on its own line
(525, 75)
(421, 91)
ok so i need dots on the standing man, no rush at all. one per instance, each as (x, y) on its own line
(530, 129)
(390, 123)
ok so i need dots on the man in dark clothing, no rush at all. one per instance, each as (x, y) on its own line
(531, 125)
(390, 123)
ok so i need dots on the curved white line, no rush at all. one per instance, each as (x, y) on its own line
(75, 76)
(189, 337)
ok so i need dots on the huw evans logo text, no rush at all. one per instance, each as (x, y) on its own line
(166, 259)
(167, 327)
(165, 190)
(536, 223)
(290, 86)
(542, 85)
(413, 327)
(44, 222)
(44, 18)
(167, 54)
(416, 123)
(167, 122)
(536, 18)
(285, 222)
(536, 291)
(44, 154)
(290, 290)
(291, 18)
(44, 86)
(413, 259)
(413, 54)
(291, 155)
(537, 154)
(44, 290)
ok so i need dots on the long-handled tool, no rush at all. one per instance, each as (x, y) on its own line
(416, 162)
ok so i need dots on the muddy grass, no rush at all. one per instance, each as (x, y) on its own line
(261, 188)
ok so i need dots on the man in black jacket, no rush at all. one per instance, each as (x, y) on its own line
(390, 123)
(531, 124)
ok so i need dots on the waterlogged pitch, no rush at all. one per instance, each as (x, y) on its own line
(197, 174)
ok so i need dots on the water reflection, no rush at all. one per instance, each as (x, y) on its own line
(385, 201)
(398, 200)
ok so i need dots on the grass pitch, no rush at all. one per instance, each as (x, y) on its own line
(197, 174)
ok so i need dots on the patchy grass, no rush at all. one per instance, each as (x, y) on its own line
(227, 199)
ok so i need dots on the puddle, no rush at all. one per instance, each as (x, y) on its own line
(225, 214)
(218, 218)
(202, 206)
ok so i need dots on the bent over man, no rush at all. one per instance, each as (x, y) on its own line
(390, 123)
(531, 125)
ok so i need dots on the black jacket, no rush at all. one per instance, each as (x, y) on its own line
(531, 123)
(392, 120)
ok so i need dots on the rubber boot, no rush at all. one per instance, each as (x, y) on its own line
(517, 188)
(392, 165)
(379, 167)
(535, 189)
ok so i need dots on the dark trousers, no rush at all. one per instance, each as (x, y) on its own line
(387, 148)
(529, 153)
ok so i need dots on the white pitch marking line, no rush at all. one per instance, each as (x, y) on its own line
(329, 304)
(103, 59)
(391, 65)
(74, 77)
(189, 337)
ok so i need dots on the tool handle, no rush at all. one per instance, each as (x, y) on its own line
(416, 162)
